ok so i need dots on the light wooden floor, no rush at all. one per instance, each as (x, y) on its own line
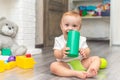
(41, 70)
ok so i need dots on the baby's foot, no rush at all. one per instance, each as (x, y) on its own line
(91, 73)
(81, 74)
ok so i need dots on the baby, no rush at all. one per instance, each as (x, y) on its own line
(71, 20)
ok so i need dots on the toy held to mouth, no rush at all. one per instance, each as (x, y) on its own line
(73, 43)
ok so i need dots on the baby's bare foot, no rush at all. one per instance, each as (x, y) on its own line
(81, 74)
(91, 73)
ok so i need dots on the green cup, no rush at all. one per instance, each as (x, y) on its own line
(73, 43)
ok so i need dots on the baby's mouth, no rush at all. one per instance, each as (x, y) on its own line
(67, 33)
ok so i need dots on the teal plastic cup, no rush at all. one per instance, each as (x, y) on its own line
(73, 43)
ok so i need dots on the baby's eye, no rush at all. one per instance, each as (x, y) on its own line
(66, 24)
(74, 25)
(6, 24)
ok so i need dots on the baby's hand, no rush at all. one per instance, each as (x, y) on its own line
(83, 53)
(64, 51)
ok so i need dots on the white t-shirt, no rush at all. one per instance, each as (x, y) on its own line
(60, 42)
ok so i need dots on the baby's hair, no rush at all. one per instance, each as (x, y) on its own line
(72, 13)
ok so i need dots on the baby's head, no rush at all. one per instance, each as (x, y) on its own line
(71, 20)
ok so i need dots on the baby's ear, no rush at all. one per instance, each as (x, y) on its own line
(2, 18)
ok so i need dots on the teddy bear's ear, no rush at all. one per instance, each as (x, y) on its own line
(2, 18)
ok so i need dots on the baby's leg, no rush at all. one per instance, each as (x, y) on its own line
(92, 64)
(91, 72)
(62, 69)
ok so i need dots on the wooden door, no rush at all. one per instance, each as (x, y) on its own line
(53, 10)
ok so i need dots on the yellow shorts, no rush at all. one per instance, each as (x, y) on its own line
(76, 65)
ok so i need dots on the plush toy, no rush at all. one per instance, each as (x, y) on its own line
(8, 31)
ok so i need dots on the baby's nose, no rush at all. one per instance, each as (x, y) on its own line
(70, 28)
(9, 28)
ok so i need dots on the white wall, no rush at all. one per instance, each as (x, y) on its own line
(115, 22)
(22, 12)
(39, 25)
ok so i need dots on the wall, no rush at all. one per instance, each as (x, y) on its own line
(115, 22)
(39, 22)
(21, 12)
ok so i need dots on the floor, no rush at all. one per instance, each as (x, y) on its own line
(41, 70)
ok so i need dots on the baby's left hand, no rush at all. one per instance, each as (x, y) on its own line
(83, 52)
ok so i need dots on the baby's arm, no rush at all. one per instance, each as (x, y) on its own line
(85, 52)
(59, 54)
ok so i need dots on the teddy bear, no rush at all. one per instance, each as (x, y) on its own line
(8, 31)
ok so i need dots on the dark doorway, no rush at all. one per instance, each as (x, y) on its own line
(53, 10)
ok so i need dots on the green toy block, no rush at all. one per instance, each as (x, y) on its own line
(6, 52)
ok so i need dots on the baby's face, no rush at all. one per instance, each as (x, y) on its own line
(70, 23)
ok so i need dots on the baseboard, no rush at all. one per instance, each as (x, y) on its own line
(39, 46)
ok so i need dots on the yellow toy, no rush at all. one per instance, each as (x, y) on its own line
(5, 66)
(25, 62)
(10, 65)
(103, 63)
(2, 66)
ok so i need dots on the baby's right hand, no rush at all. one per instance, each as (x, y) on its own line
(64, 51)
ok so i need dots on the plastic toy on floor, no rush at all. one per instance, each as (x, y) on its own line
(104, 63)
(2, 66)
(11, 58)
(6, 51)
(6, 65)
(25, 62)
(10, 65)
(9, 62)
